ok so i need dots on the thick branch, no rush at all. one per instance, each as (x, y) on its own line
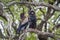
(41, 33)
(46, 34)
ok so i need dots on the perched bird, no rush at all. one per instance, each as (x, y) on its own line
(32, 19)
(23, 23)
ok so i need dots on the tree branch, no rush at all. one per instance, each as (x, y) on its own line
(56, 26)
(43, 34)
(36, 4)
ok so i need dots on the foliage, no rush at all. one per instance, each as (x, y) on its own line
(17, 9)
